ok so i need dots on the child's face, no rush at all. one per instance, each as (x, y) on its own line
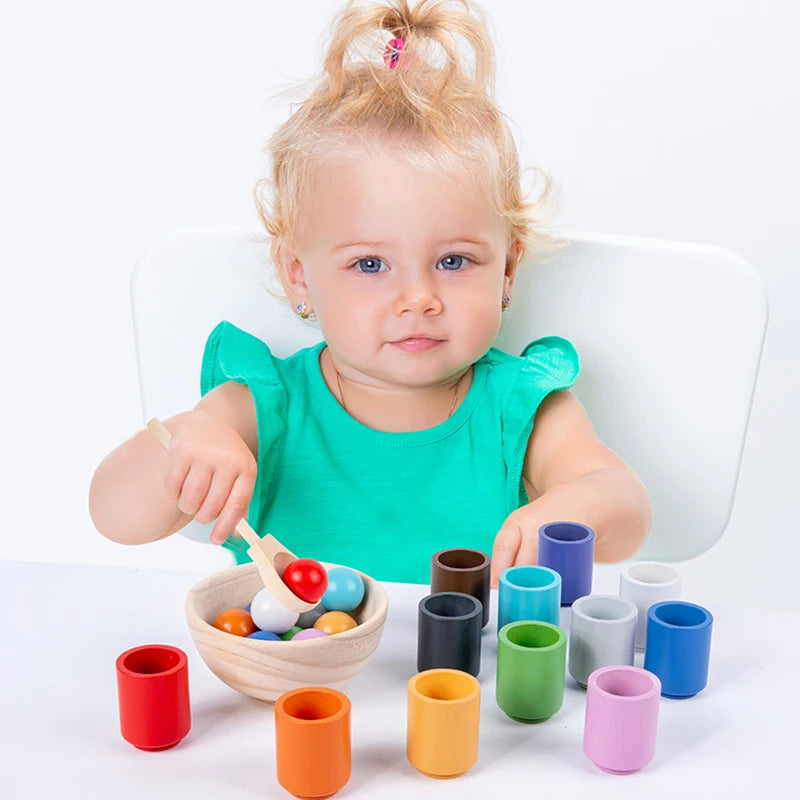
(405, 271)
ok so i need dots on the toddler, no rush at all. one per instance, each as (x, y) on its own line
(396, 219)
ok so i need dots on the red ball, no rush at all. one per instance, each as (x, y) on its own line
(307, 579)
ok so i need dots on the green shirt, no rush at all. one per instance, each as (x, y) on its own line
(333, 489)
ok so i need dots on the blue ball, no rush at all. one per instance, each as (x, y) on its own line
(345, 590)
(268, 635)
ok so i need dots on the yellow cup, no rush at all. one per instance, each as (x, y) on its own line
(444, 708)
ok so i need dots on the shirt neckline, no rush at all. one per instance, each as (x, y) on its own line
(322, 395)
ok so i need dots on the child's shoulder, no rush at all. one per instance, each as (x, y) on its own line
(551, 356)
(232, 353)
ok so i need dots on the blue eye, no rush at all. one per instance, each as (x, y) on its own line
(370, 265)
(453, 263)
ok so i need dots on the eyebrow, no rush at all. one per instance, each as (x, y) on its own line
(456, 240)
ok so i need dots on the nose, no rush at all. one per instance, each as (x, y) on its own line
(418, 296)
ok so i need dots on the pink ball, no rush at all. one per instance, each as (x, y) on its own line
(308, 633)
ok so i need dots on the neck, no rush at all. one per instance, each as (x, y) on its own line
(395, 409)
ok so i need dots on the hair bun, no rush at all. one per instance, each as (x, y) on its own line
(446, 38)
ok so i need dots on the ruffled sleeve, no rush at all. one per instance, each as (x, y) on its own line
(546, 365)
(231, 354)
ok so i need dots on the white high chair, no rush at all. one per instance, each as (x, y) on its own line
(669, 335)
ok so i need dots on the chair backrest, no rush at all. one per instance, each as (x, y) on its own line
(669, 335)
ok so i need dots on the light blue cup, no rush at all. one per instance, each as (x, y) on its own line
(528, 593)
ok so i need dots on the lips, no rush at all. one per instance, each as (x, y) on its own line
(416, 343)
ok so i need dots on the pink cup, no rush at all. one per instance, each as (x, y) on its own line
(619, 734)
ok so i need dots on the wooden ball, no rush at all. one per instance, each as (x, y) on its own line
(236, 621)
(335, 622)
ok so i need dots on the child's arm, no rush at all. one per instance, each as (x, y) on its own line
(575, 477)
(141, 492)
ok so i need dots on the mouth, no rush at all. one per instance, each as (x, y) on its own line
(417, 343)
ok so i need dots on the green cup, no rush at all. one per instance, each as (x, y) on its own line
(531, 663)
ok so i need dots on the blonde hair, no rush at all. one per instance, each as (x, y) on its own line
(435, 109)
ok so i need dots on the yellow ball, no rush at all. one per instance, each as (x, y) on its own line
(335, 622)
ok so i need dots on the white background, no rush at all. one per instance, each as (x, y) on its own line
(676, 121)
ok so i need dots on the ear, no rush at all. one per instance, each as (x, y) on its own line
(513, 256)
(290, 271)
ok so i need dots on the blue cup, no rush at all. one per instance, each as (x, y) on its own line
(528, 593)
(568, 548)
(678, 646)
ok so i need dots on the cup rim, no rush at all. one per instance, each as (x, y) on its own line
(502, 635)
(672, 581)
(656, 607)
(485, 562)
(477, 607)
(555, 577)
(343, 711)
(446, 672)
(125, 670)
(588, 533)
(631, 614)
(654, 689)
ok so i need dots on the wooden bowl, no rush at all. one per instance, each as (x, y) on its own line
(264, 669)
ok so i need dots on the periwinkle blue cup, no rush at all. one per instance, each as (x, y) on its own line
(528, 593)
(678, 646)
(568, 548)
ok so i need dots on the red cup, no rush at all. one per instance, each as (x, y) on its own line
(153, 689)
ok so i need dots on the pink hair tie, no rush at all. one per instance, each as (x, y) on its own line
(392, 53)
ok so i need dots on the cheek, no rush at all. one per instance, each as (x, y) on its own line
(347, 322)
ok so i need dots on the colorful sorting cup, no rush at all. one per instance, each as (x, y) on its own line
(678, 646)
(312, 741)
(462, 570)
(568, 548)
(444, 707)
(645, 583)
(531, 657)
(449, 632)
(153, 692)
(621, 722)
(602, 629)
(528, 593)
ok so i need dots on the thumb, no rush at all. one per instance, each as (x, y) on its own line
(504, 551)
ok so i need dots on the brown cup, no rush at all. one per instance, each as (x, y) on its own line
(462, 570)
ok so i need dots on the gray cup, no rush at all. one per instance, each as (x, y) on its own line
(602, 631)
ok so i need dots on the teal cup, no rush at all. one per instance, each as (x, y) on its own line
(531, 664)
(528, 593)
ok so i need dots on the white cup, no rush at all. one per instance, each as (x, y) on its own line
(645, 583)
(601, 633)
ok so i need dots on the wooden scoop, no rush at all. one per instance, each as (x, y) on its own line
(269, 555)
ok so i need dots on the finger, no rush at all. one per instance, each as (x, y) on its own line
(175, 476)
(504, 551)
(214, 502)
(195, 488)
(528, 548)
(235, 509)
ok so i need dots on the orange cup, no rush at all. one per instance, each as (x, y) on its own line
(312, 741)
(444, 707)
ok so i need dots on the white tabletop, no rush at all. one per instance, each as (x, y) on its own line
(64, 626)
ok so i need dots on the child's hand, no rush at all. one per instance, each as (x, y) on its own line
(210, 472)
(517, 542)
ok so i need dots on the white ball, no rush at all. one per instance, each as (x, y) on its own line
(270, 615)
